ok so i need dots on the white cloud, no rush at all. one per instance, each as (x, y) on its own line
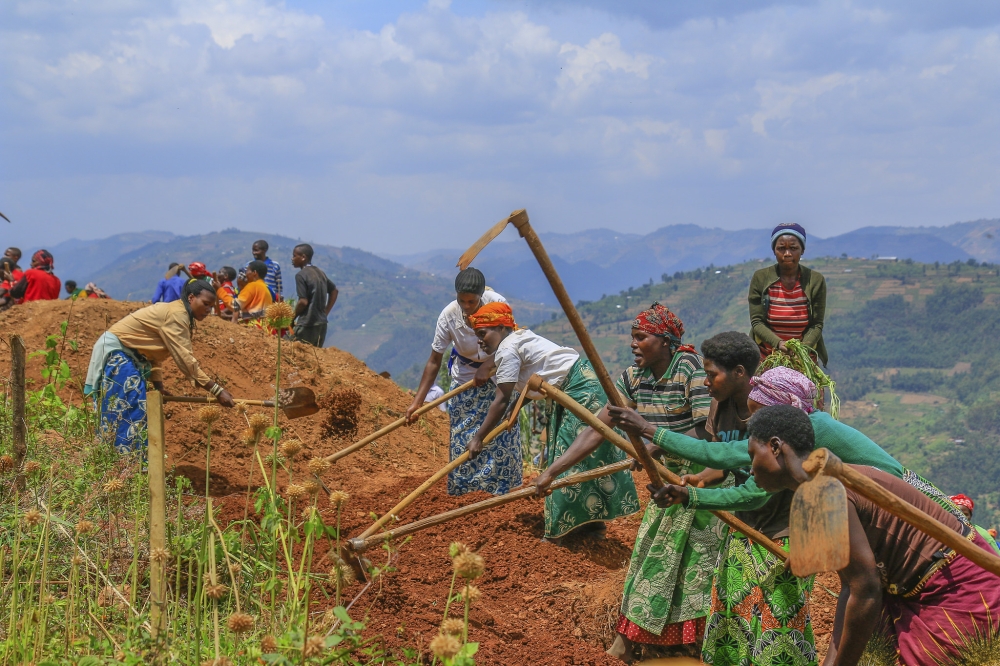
(231, 20)
(777, 100)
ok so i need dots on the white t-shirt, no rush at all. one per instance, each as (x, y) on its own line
(523, 353)
(452, 330)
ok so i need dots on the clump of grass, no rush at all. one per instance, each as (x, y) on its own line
(799, 358)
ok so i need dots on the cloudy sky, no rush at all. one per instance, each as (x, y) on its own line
(401, 126)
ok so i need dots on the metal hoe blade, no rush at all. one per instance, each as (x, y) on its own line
(819, 538)
(477, 247)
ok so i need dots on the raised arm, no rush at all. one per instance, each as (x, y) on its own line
(718, 455)
(585, 443)
(860, 602)
(431, 370)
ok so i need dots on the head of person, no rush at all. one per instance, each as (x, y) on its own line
(173, 265)
(14, 253)
(259, 250)
(70, 286)
(781, 437)
(196, 269)
(256, 270)
(492, 323)
(964, 503)
(470, 285)
(43, 260)
(782, 386)
(302, 255)
(730, 360)
(226, 274)
(656, 336)
(198, 297)
(788, 242)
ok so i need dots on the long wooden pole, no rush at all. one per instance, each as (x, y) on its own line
(426, 407)
(585, 415)
(831, 465)
(520, 220)
(360, 545)
(157, 513)
(19, 425)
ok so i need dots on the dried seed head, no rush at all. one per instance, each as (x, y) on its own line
(209, 414)
(445, 646)
(294, 491)
(290, 448)
(312, 486)
(471, 592)
(318, 465)
(32, 517)
(236, 568)
(270, 459)
(469, 565)
(453, 627)
(307, 512)
(114, 486)
(279, 315)
(268, 645)
(241, 407)
(77, 560)
(248, 437)
(6, 464)
(343, 574)
(160, 555)
(240, 623)
(215, 592)
(339, 498)
(259, 422)
(456, 549)
(84, 527)
(32, 466)
(315, 645)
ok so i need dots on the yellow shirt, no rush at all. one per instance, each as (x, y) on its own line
(160, 331)
(255, 297)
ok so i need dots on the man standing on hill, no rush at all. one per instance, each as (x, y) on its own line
(169, 288)
(317, 296)
(38, 283)
(273, 277)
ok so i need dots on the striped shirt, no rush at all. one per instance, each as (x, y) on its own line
(678, 401)
(788, 311)
(273, 277)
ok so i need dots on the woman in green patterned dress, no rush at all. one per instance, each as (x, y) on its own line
(669, 581)
(519, 354)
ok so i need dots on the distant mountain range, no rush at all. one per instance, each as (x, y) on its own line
(596, 262)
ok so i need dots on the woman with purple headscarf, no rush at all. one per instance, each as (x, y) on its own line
(788, 300)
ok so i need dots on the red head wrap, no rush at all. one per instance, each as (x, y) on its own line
(963, 500)
(197, 269)
(493, 314)
(44, 260)
(659, 320)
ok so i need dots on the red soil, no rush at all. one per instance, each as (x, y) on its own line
(549, 604)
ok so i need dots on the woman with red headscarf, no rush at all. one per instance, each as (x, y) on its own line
(38, 283)
(519, 354)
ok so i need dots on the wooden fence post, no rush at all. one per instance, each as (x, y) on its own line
(19, 424)
(157, 514)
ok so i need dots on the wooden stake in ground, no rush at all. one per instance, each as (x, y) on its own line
(19, 425)
(157, 514)
(519, 219)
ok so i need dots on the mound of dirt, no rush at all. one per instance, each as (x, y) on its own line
(540, 602)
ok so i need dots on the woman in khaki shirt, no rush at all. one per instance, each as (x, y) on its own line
(134, 350)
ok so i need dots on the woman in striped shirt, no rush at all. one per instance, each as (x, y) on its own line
(788, 300)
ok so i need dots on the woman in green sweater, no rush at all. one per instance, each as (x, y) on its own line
(788, 300)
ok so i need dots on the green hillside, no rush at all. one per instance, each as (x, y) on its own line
(911, 347)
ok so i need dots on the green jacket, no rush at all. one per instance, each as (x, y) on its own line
(814, 286)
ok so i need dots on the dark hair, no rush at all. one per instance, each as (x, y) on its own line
(8, 263)
(470, 281)
(17, 250)
(731, 349)
(228, 272)
(172, 264)
(262, 243)
(790, 424)
(70, 285)
(305, 249)
(194, 287)
(258, 267)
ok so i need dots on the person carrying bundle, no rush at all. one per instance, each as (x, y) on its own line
(936, 601)
(499, 468)
(133, 350)
(519, 353)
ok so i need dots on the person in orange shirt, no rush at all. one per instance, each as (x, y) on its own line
(255, 296)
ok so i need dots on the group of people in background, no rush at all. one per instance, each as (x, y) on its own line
(737, 438)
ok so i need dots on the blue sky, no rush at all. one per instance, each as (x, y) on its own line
(402, 126)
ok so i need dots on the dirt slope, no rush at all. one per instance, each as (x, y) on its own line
(549, 604)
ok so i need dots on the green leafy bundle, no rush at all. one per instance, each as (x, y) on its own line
(800, 359)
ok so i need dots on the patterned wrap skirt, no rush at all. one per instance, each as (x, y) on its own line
(760, 611)
(602, 499)
(498, 468)
(123, 403)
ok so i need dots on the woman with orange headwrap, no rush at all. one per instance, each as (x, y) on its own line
(519, 354)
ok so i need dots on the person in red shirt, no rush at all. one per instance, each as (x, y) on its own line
(38, 283)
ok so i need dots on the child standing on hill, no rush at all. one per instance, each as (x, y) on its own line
(225, 290)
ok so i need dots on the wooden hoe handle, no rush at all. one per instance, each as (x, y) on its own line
(584, 414)
(822, 461)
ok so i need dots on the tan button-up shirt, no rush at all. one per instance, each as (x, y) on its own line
(160, 331)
